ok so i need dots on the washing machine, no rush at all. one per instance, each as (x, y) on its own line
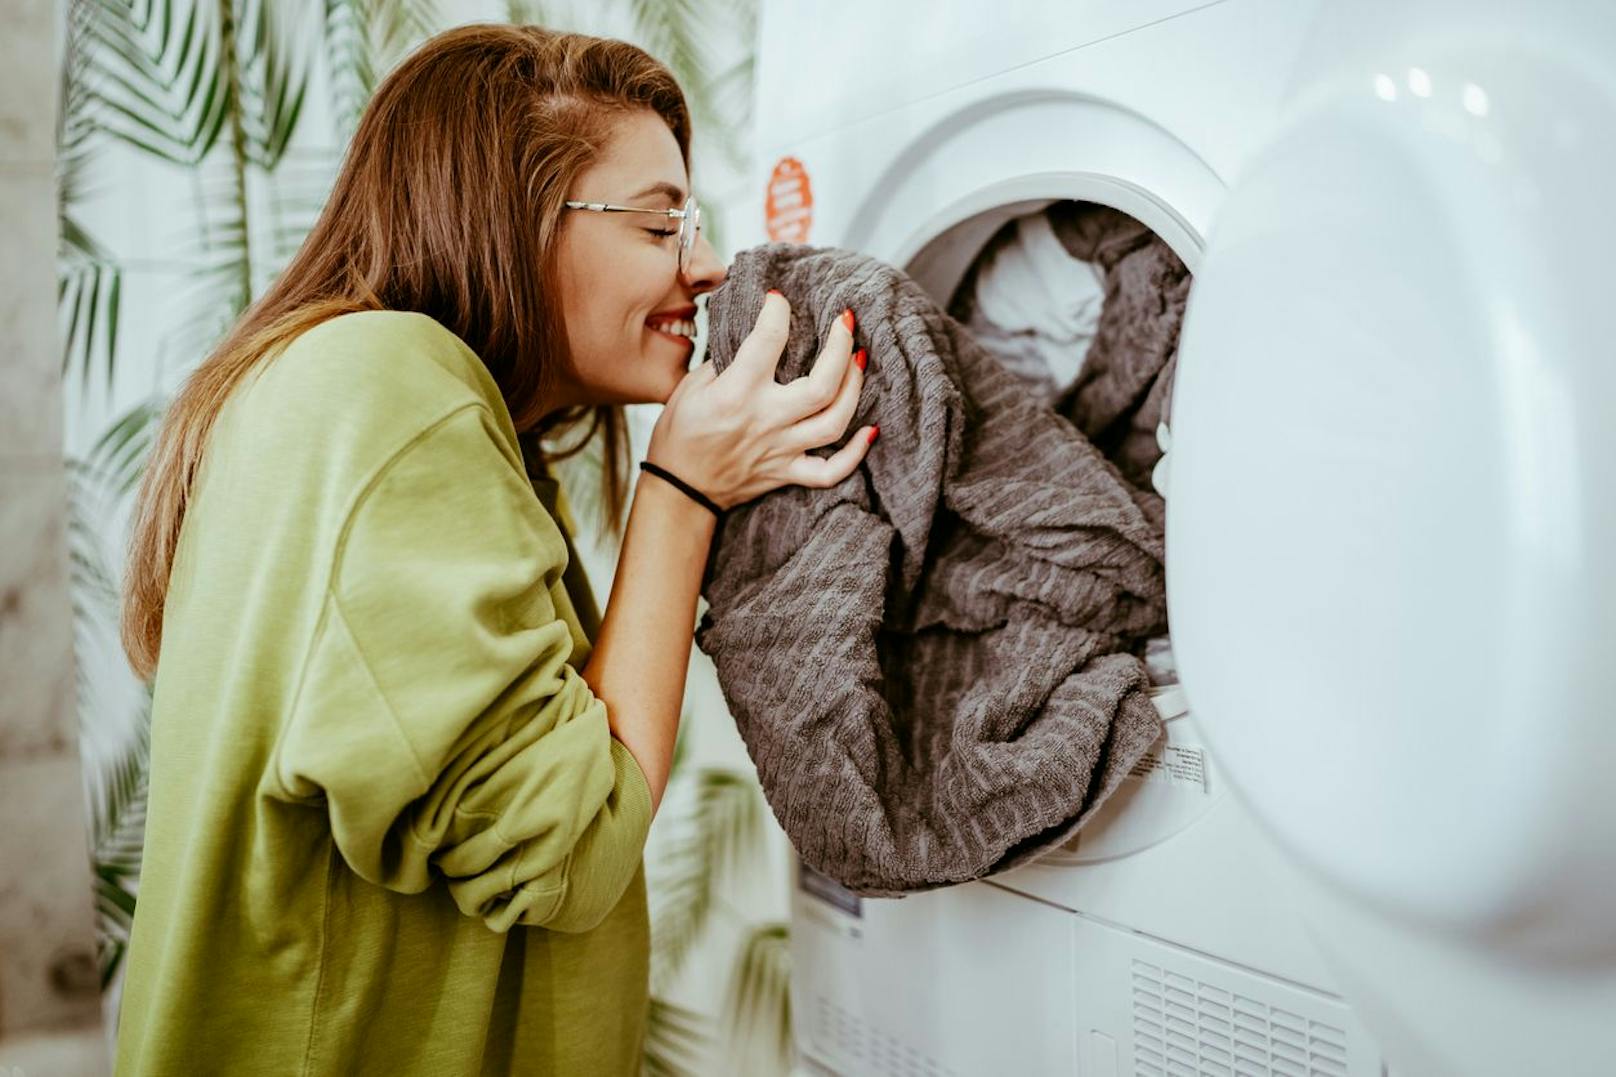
(1374, 836)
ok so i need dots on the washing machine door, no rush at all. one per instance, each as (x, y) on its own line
(1392, 512)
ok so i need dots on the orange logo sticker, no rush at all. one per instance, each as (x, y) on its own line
(788, 205)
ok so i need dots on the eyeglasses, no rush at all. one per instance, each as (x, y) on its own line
(689, 219)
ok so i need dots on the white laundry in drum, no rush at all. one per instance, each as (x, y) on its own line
(1032, 305)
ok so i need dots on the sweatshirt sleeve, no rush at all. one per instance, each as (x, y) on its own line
(438, 718)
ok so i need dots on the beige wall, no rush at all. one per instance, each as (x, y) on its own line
(50, 1018)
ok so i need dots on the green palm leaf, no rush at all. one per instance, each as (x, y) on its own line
(351, 60)
(118, 833)
(117, 794)
(303, 181)
(364, 39)
(673, 32)
(170, 83)
(681, 747)
(88, 301)
(88, 281)
(729, 98)
(676, 1038)
(219, 253)
(722, 826)
(274, 76)
(118, 458)
(92, 591)
(397, 26)
(92, 588)
(159, 77)
(118, 818)
(95, 486)
(75, 120)
(532, 13)
(757, 1008)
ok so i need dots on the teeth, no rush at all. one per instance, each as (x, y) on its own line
(676, 326)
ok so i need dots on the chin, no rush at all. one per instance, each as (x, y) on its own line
(665, 390)
(649, 391)
(662, 378)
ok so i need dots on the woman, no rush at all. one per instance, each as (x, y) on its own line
(398, 794)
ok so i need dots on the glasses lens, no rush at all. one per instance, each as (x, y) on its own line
(688, 226)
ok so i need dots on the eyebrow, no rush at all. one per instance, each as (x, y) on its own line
(664, 188)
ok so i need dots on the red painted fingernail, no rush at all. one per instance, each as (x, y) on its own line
(776, 291)
(874, 430)
(847, 319)
(860, 358)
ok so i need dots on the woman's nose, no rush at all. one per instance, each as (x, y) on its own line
(705, 270)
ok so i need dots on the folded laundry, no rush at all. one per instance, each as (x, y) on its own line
(935, 663)
(1031, 304)
(1122, 390)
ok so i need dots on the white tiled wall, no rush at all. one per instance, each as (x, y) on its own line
(49, 998)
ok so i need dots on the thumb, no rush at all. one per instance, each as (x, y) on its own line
(759, 354)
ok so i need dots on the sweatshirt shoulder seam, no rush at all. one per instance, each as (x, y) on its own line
(328, 589)
(379, 472)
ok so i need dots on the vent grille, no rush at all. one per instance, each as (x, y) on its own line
(1184, 1027)
(850, 1039)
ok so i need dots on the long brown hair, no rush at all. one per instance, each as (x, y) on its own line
(450, 195)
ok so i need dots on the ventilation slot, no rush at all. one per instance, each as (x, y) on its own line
(849, 1039)
(1183, 1027)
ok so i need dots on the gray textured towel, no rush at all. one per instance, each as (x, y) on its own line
(1126, 380)
(931, 663)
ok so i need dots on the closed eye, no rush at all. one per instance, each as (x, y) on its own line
(663, 232)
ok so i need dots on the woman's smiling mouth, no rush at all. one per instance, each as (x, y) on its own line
(680, 329)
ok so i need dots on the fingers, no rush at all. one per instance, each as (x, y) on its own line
(823, 471)
(812, 410)
(818, 389)
(830, 423)
(759, 354)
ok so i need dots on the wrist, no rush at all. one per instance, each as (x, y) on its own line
(684, 486)
(669, 500)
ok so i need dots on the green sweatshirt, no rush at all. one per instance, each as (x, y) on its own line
(389, 830)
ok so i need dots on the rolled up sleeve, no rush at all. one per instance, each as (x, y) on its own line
(439, 721)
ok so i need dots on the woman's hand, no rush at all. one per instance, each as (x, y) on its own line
(740, 434)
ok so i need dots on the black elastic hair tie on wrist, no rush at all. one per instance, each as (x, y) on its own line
(696, 495)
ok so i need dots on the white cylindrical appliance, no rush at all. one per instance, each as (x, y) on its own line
(1389, 517)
